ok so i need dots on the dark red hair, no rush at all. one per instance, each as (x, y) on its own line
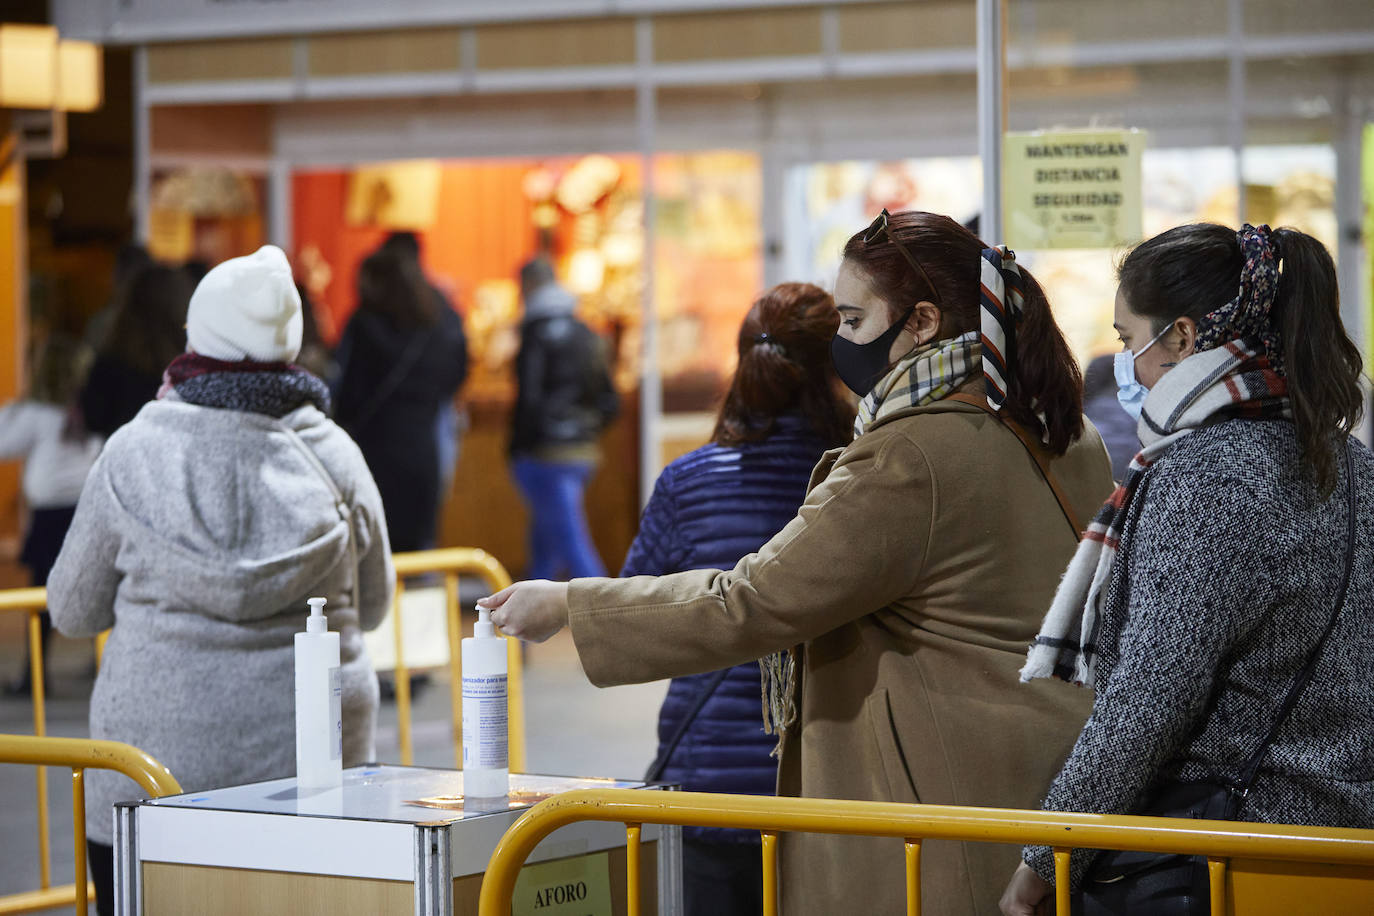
(1045, 381)
(784, 366)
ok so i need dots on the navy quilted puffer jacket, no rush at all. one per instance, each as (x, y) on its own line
(710, 508)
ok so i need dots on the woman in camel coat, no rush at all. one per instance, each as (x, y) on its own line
(909, 584)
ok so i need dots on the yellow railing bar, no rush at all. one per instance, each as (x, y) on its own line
(1216, 839)
(31, 602)
(769, 848)
(632, 849)
(913, 877)
(36, 901)
(452, 562)
(1062, 860)
(80, 755)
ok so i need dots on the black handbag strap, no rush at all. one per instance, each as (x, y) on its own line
(1252, 766)
(659, 765)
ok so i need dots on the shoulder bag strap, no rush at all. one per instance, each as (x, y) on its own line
(1037, 452)
(656, 768)
(340, 504)
(1252, 766)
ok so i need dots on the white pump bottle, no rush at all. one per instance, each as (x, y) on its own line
(486, 767)
(319, 704)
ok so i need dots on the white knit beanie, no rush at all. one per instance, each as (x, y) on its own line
(247, 308)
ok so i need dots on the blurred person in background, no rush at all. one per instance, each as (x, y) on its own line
(904, 592)
(710, 508)
(564, 400)
(147, 332)
(1239, 541)
(203, 527)
(1114, 424)
(130, 260)
(42, 430)
(451, 422)
(402, 357)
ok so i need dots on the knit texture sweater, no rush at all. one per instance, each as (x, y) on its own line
(1228, 568)
(199, 535)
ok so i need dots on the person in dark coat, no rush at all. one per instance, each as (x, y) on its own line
(710, 508)
(147, 331)
(402, 356)
(564, 400)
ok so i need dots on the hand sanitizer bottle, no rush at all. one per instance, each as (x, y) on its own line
(319, 699)
(485, 764)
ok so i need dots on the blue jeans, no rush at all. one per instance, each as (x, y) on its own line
(559, 537)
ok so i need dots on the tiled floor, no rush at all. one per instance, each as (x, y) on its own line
(573, 728)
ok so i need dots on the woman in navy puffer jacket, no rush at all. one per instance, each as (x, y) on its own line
(710, 508)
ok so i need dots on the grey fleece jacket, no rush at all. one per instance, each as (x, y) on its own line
(198, 537)
(1225, 579)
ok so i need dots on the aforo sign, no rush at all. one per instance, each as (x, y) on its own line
(580, 886)
(1072, 189)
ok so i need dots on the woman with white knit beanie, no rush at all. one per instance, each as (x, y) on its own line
(205, 524)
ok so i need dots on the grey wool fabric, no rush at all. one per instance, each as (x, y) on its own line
(1231, 567)
(199, 535)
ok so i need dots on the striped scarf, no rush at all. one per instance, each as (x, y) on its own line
(1234, 380)
(925, 375)
(1001, 301)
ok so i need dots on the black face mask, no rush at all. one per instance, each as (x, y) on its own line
(860, 365)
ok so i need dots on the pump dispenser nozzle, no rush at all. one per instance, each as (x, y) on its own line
(485, 629)
(316, 622)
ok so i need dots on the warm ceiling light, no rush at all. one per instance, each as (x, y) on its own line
(79, 84)
(28, 66)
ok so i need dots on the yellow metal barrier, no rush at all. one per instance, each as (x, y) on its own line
(453, 562)
(31, 602)
(80, 755)
(913, 824)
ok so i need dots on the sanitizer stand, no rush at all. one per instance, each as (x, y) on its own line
(367, 848)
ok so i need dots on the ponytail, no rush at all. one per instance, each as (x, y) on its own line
(1322, 364)
(1193, 269)
(1045, 391)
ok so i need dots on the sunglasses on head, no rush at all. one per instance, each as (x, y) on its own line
(880, 227)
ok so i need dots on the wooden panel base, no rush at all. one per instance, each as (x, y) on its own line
(199, 890)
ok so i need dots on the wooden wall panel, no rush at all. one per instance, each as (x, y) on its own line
(907, 26)
(171, 890)
(231, 130)
(590, 43)
(208, 61)
(726, 36)
(361, 53)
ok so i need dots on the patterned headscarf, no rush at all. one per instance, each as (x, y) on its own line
(1247, 317)
(1001, 300)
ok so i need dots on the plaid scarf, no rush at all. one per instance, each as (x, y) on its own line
(923, 376)
(274, 389)
(1236, 379)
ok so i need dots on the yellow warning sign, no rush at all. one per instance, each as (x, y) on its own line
(1072, 189)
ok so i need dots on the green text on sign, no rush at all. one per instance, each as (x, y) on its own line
(1072, 189)
(580, 886)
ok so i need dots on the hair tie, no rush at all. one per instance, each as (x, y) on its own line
(1001, 301)
(1248, 315)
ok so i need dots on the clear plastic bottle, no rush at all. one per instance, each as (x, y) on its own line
(486, 767)
(319, 704)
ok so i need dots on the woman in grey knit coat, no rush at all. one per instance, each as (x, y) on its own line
(203, 527)
(1202, 588)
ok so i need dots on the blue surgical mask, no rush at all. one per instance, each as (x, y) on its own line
(1130, 393)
